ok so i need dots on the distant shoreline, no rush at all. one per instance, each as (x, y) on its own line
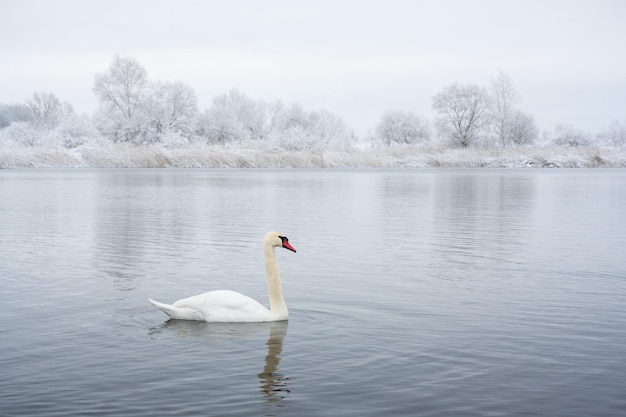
(261, 155)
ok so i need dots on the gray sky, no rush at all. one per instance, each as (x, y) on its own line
(358, 59)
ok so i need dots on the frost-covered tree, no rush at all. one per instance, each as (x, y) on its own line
(170, 108)
(75, 131)
(296, 128)
(232, 117)
(273, 112)
(327, 128)
(291, 127)
(504, 100)
(521, 128)
(36, 122)
(22, 134)
(134, 110)
(47, 111)
(568, 135)
(293, 116)
(235, 117)
(402, 127)
(121, 89)
(121, 92)
(614, 134)
(462, 113)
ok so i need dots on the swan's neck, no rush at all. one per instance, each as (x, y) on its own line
(277, 301)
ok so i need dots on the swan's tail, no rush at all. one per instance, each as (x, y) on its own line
(177, 313)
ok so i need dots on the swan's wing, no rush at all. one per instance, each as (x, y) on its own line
(224, 305)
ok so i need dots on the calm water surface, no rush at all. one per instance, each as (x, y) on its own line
(413, 292)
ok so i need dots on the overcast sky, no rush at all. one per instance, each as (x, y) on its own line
(358, 59)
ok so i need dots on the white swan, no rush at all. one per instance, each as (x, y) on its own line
(231, 306)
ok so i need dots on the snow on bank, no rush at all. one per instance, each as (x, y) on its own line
(262, 155)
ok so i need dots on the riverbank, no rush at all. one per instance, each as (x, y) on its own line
(262, 155)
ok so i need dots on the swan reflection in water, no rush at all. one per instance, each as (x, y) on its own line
(273, 384)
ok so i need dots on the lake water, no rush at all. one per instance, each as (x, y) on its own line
(413, 292)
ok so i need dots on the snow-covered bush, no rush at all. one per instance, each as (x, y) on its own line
(403, 128)
(232, 117)
(76, 131)
(235, 118)
(24, 134)
(72, 132)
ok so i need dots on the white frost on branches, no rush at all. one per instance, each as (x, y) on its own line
(141, 122)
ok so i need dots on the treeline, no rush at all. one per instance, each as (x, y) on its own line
(134, 109)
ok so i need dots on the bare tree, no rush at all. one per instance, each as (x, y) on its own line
(503, 99)
(402, 127)
(462, 113)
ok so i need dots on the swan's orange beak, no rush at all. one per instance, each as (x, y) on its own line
(287, 245)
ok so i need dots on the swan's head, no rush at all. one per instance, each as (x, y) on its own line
(278, 240)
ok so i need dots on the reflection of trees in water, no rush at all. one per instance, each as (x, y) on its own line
(147, 218)
(273, 384)
(478, 216)
(121, 226)
(484, 202)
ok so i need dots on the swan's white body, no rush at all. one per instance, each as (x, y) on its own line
(231, 306)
